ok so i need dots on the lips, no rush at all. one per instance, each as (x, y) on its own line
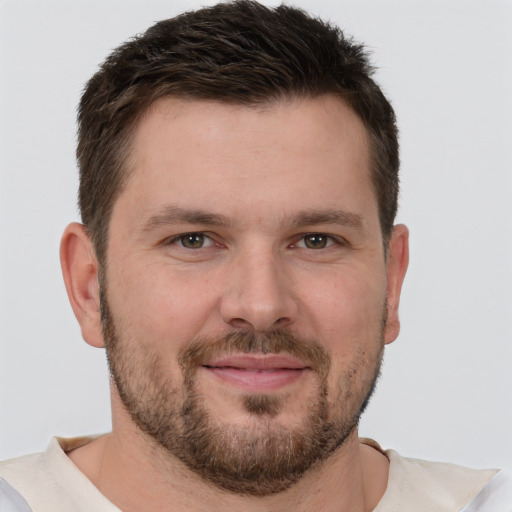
(257, 373)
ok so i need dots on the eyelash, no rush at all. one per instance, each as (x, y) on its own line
(329, 240)
(178, 240)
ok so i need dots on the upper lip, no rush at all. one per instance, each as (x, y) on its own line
(258, 362)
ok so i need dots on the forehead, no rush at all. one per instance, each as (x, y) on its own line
(307, 124)
(215, 155)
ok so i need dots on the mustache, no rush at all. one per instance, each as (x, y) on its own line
(202, 350)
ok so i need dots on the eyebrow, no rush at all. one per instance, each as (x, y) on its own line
(340, 217)
(175, 215)
(171, 215)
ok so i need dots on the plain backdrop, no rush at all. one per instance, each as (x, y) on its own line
(446, 388)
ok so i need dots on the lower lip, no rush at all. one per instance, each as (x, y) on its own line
(258, 380)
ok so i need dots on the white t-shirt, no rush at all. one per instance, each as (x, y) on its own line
(50, 482)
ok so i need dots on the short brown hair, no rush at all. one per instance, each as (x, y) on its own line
(238, 52)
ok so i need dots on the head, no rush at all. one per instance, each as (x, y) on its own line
(238, 257)
(239, 53)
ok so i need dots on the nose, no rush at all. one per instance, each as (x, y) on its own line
(258, 293)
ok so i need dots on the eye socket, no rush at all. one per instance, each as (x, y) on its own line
(200, 240)
(316, 241)
(193, 240)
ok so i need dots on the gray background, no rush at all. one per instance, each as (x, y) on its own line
(446, 389)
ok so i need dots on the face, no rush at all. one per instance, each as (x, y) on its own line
(244, 302)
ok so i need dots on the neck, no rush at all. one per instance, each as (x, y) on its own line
(135, 476)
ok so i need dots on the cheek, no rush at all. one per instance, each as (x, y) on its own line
(352, 333)
(346, 312)
(160, 306)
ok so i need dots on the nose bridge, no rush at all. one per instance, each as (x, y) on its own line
(259, 293)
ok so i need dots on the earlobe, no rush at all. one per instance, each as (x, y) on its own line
(80, 272)
(396, 267)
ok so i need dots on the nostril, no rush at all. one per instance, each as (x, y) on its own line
(239, 323)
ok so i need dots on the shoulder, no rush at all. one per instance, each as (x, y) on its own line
(425, 486)
(49, 481)
(23, 471)
(496, 496)
(11, 500)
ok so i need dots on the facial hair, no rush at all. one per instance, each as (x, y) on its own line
(259, 459)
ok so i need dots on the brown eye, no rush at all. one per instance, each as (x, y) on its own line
(316, 241)
(192, 240)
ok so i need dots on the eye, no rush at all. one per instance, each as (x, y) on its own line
(315, 241)
(193, 240)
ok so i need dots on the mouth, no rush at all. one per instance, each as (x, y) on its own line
(257, 373)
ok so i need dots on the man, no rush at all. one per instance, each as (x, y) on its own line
(239, 262)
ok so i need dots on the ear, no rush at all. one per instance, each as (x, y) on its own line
(80, 272)
(396, 267)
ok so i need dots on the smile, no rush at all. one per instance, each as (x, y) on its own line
(257, 374)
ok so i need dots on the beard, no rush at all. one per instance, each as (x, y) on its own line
(263, 456)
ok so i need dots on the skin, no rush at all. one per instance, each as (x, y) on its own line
(263, 171)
